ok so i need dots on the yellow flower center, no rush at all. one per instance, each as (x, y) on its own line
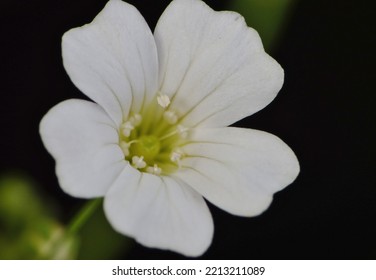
(151, 139)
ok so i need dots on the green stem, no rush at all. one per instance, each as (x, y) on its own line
(83, 215)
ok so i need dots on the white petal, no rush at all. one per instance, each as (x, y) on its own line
(238, 169)
(113, 60)
(159, 212)
(212, 66)
(84, 142)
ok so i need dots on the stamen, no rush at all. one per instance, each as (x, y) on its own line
(176, 156)
(163, 100)
(138, 162)
(183, 131)
(154, 169)
(168, 135)
(125, 148)
(127, 128)
(136, 120)
(170, 117)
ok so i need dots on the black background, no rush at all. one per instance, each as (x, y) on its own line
(325, 112)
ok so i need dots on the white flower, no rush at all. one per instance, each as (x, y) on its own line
(156, 142)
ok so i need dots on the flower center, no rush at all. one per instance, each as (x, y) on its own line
(148, 146)
(151, 140)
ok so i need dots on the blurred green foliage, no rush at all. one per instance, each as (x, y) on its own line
(45, 240)
(29, 228)
(19, 204)
(268, 17)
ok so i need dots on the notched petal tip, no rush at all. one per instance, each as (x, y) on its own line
(238, 169)
(83, 141)
(212, 65)
(113, 60)
(159, 212)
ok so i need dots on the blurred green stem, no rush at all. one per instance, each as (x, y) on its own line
(83, 215)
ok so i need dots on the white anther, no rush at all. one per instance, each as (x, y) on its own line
(127, 128)
(154, 170)
(138, 162)
(136, 120)
(125, 148)
(170, 117)
(176, 156)
(163, 100)
(183, 131)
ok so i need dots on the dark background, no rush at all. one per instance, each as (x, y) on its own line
(325, 112)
